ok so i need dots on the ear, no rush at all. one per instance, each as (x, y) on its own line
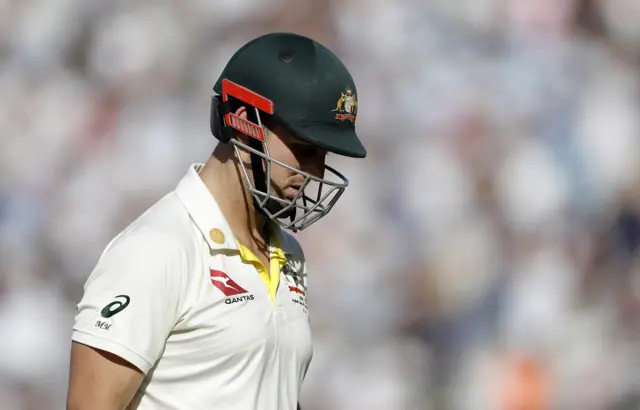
(242, 113)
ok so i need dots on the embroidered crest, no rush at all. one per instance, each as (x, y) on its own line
(347, 106)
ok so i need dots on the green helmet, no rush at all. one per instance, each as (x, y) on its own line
(302, 86)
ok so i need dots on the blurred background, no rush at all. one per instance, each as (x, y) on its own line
(485, 255)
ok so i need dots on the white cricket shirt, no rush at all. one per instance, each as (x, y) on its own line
(175, 295)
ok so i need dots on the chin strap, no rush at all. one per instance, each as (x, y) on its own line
(259, 178)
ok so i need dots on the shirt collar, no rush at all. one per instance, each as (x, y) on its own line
(204, 210)
(210, 221)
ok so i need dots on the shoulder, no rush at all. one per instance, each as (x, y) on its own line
(161, 235)
(166, 224)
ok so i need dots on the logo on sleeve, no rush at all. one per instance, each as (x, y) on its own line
(115, 307)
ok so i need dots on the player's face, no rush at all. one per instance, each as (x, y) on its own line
(291, 151)
(295, 153)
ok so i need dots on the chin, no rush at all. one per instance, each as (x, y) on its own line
(291, 193)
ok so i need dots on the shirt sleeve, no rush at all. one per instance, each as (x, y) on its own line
(131, 300)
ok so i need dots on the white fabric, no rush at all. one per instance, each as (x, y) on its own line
(198, 347)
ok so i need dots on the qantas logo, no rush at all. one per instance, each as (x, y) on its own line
(225, 284)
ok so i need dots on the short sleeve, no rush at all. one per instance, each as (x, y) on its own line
(131, 300)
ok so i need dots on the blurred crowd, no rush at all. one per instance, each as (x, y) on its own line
(485, 254)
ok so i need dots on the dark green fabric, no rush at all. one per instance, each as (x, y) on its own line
(314, 95)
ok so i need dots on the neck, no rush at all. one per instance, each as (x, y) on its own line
(223, 177)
